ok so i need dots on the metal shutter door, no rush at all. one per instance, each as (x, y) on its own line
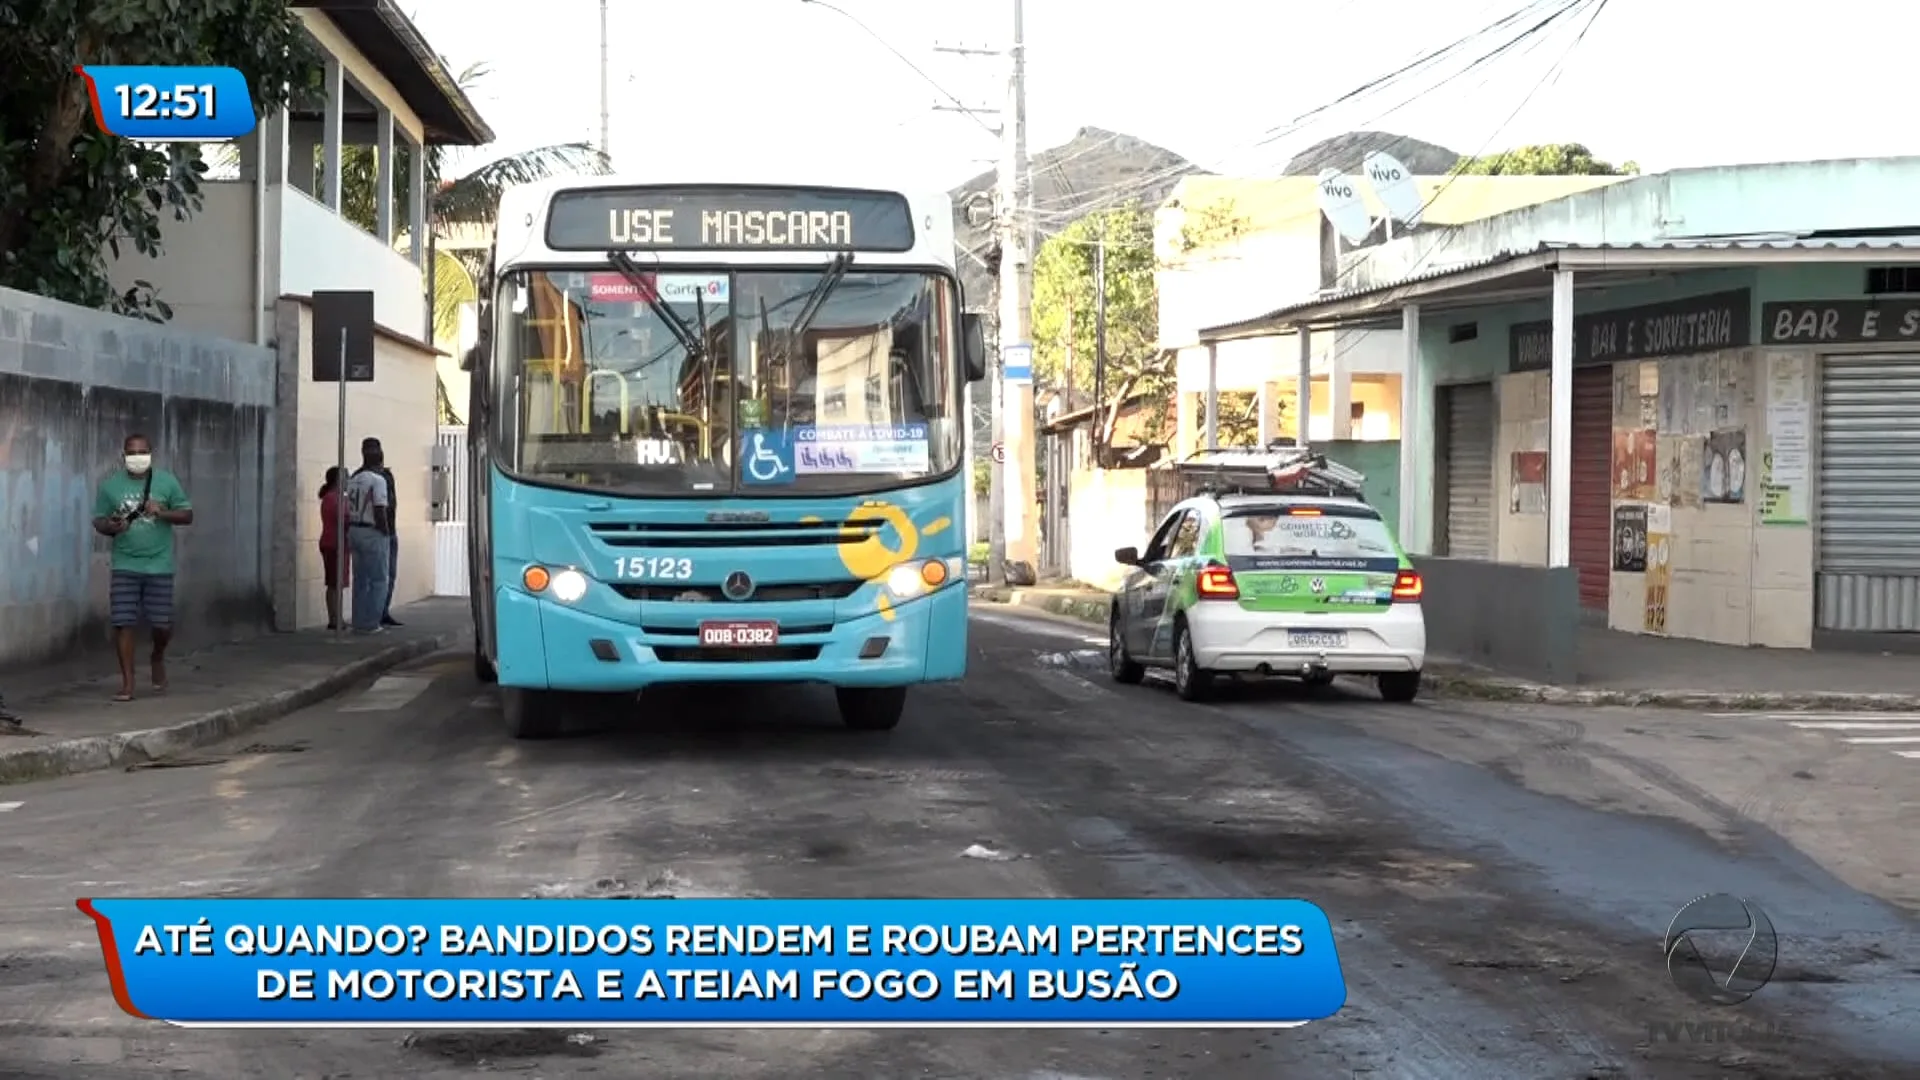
(1869, 517)
(1592, 533)
(1469, 511)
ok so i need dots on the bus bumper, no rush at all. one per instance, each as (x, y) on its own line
(545, 645)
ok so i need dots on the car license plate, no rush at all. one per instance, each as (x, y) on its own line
(1317, 639)
(739, 635)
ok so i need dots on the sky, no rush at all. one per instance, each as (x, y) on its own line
(728, 84)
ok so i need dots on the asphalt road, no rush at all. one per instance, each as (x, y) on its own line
(1499, 876)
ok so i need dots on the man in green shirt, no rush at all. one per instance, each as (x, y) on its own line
(139, 506)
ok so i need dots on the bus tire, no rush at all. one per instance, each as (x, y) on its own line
(531, 714)
(871, 708)
(483, 668)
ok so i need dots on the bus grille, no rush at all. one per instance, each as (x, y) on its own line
(628, 534)
(711, 594)
(679, 654)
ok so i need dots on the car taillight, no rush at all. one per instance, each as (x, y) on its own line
(1216, 583)
(1407, 585)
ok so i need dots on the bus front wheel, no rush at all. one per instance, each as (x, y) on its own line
(871, 708)
(531, 714)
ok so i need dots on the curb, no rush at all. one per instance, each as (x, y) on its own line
(1460, 681)
(93, 753)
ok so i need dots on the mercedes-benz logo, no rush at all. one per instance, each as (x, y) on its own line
(1748, 968)
(738, 585)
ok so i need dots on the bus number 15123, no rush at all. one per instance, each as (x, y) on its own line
(667, 569)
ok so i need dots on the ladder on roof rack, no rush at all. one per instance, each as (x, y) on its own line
(1275, 470)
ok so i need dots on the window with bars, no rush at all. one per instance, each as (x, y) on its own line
(1886, 280)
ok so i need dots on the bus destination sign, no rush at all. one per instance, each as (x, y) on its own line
(740, 219)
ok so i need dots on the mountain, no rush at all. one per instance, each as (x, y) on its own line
(1345, 152)
(1094, 170)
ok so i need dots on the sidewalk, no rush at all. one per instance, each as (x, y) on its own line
(214, 693)
(1629, 669)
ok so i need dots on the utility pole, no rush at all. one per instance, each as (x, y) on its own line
(1100, 347)
(995, 544)
(605, 150)
(1010, 499)
(1016, 313)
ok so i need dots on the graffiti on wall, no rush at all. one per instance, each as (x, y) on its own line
(57, 439)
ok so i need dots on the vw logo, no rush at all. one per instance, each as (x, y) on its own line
(1740, 968)
(1317, 586)
(738, 585)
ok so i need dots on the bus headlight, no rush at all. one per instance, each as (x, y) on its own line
(569, 586)
(913, 578)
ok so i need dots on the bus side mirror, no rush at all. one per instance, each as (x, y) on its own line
(973, 346)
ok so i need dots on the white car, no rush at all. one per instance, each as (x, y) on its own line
(1299, 586)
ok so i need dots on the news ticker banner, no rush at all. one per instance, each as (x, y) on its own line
(720, 963)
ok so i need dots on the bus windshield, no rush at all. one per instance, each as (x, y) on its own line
(696, 381)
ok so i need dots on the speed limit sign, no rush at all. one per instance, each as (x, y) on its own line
(999, 453)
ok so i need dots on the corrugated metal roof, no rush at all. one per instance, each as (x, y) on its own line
(1774, 242)
(1365, 290)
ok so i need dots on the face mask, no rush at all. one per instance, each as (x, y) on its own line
(138, 464)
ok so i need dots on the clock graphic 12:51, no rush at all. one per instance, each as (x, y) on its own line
(169, 104)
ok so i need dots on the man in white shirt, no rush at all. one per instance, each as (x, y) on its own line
(369, 532)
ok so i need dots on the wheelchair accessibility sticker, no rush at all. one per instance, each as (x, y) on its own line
(766, 457)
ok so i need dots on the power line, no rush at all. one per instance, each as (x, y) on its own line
(960, 106)
(1549, 78)
(1138, 186)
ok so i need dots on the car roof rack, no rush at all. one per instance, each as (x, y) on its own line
(1276, 470)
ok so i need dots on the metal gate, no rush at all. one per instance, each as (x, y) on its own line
(1592, 488)
(1869, 517)
(1469, 477)
(450, 528)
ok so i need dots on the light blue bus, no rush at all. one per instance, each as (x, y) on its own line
(717, 434)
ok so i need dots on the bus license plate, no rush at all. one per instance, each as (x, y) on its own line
(1317, 639)
(739, 635)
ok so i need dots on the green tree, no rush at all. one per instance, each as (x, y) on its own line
(1544, 159)
(71, 195)
(1064, 292)
(1237, 421)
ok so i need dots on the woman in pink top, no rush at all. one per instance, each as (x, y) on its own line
(337, 569)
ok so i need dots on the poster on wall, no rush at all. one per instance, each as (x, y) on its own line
(1786, 464)
(1723, 467)
(1529, 482)
(1635, 452)
(1659, 568)
(1630, 538)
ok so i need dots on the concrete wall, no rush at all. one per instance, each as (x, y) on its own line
(1732, 200)
(1380, 462)
(1107, 509)
(398, 407)
(206, 267)
(73, 384)
(1523, 407)
(1522, 620)
(322, 250)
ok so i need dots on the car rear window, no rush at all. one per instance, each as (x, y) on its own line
(1258, 532)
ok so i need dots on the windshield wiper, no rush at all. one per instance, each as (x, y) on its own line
(817, 299)
(696, 346)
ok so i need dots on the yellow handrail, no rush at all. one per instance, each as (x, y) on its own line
(706, 433)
